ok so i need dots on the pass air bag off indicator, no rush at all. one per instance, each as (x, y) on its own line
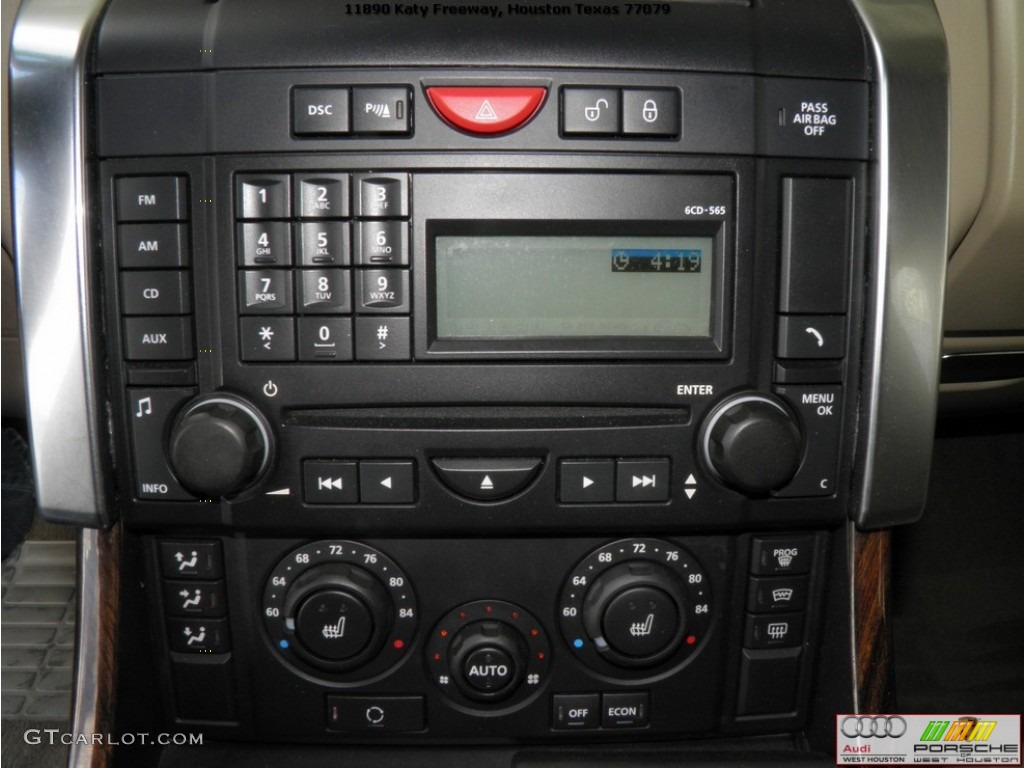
(486, 111)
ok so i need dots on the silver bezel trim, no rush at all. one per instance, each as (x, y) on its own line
(907, 259)
(51, 234)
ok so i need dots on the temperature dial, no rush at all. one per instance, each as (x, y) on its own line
(340, 607)
(636, 603)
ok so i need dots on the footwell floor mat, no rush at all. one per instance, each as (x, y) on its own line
(38, 635)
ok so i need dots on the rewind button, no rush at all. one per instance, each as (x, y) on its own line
(330, 482)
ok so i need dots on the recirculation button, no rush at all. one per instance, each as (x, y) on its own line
(486, 111)
(487, 479)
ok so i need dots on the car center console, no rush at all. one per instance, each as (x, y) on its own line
(476, 390)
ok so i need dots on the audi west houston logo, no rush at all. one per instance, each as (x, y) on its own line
(889, 739)
(873, 726)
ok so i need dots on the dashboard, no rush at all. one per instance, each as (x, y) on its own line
(499, 387)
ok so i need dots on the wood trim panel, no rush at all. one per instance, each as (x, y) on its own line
(872, 554)
(95, 697)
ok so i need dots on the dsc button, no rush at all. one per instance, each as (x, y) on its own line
(320, 111)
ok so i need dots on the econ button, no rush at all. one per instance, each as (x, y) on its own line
(486, 111)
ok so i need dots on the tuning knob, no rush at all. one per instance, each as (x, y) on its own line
(219, 445)
(752, 443)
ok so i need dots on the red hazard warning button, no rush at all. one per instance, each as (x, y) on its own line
(486, 110)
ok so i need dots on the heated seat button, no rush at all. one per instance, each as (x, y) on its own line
(486, 111)
(576, 711)
(381, 110)
(653, 112)
(487, 479)
(375, 713)
(320, 111)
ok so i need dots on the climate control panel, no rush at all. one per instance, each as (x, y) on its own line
(428, 639)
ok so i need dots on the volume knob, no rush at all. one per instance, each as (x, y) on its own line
(752, 443)
(219, 445)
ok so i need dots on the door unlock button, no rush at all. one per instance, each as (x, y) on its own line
(591, 111)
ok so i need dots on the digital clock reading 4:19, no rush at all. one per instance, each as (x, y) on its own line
(656, 260)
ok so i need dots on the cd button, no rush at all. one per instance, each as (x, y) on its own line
(487, 479)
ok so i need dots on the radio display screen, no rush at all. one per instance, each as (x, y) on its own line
(563, 286)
